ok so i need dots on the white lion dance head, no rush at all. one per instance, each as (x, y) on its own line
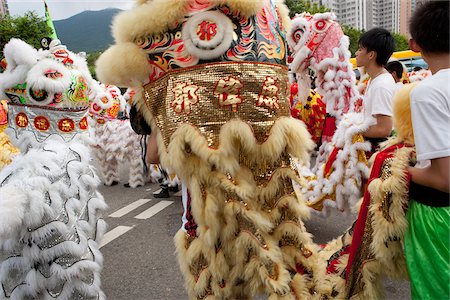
(47, 90)
(49, 205)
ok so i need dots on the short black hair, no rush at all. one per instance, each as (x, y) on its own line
(396, 67)
(429, 26)
(379, 40)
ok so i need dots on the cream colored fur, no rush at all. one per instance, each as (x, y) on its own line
(212, 210)
(123, 64)
(401, 108)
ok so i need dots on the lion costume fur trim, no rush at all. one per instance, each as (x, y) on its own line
(188, 153)
(389, 226)
(401, 108)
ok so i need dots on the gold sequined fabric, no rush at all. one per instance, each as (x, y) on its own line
(212, 94)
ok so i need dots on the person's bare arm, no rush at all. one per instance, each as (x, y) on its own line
(382, 129)
(152, 156)
(435, 176)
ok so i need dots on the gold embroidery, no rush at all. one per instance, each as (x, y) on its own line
(185, 96)
(207, 114)
(228, 92)
(269, 93)
(22, 120)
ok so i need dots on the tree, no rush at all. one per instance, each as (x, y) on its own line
(29, 28)
(299, 6)
(354, 35)
(401, 42)
(91, 59)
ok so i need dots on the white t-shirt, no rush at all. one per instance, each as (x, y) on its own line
(398, 86)
(430, 109)
(379, 94)
(184, 199)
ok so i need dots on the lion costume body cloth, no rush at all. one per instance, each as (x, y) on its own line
(212, 81)
(50, 208)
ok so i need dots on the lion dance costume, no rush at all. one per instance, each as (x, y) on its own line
(335, 181)
(211, 79)
(114, 141)
(50, 226)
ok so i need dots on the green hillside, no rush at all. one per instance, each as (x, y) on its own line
(88, 31)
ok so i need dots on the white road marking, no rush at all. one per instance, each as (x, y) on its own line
(157, 191)
(114, 234)
(153, 210)
(132, 206)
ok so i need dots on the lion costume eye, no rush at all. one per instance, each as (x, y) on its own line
(320, 26)
(38, 95)
(297, 35)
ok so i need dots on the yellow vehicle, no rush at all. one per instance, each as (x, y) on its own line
(409, 58)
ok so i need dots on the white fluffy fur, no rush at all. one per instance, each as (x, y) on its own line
(20, 57)
(342, 189)
(113, 143)
(44, 196)
(36, 81)
(27, 65)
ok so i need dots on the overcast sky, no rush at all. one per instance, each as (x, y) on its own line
(63, 9)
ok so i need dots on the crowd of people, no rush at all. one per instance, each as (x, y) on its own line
(243, 193)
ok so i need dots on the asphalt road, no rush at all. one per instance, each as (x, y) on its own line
(139, 255)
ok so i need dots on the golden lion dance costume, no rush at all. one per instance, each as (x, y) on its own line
(8, 151)
(216, 87)
(50, 224)
(114, 141)
(336, 179)
(215, 90)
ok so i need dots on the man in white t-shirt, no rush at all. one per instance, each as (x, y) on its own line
(396, 69)
(427, 240)
(375, 48)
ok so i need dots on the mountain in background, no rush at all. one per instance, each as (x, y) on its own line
(88, 31)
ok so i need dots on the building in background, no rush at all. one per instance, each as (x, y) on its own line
(406, 9)
(3, 8)
(384, 14)
(392, 15)
(348, 12)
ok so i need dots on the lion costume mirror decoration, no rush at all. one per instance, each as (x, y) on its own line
(211, 79)
(50, 224)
